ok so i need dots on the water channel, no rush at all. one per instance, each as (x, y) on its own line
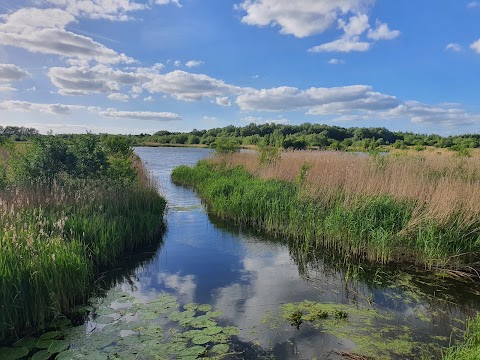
(254, 280)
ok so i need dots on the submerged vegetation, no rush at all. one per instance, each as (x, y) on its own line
(126, 327)
(69, 208)
(381, 208)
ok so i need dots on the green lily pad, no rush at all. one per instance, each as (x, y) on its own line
(58, 346)
(192, 351)
(214, 314)
(221, 349)
(103, 320)
(41, 355)
(231, 330)
(27, 342)
(51, 335)
(68, 355)
(213, 330)
(60, 323)
(204, 308)
(201, 339)
(190, 306)
(13, 353)
(44, 344)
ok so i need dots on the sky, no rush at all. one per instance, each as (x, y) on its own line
(133, 66)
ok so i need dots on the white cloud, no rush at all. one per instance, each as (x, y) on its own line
(189, 87)
(473, 4)
(356, 25)
(342, 45)
(141, 115)
(209, 118)
(7, 88)
(300, 18)
(81, 80)
(118, 97)
(223, 101)
(193, 63)
(24, 106)
(43, 31)
(318, 101)
(383, 32)
(149, 99)
(454, 47)
(177, 63)
(336, 61)
(10, 72)
(114, 10)
(428, 114)
(476, 46)
(166, 2)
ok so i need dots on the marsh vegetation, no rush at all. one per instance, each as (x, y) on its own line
(68, 209)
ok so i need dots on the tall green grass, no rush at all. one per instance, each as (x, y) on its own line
(52, 250)
(470, 348)
(373, 227)
(68, 209)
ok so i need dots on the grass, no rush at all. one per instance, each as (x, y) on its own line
(421, 209)
(56, 238)
(470, 349)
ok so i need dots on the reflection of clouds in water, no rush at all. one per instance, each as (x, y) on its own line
(272, 280)
(183, 286)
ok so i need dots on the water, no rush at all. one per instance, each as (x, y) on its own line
(249, 277)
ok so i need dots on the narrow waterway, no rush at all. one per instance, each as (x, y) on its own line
(254, 279)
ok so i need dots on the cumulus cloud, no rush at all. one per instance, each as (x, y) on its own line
(141, 115)
(382, 32)
(83, 80)
(149, 99)
(342, 45)
(189, 87)
(114, 10)
(10, 72)
(476, 46)
(261, 120)
(43, 31)
(165, 2)
(24, 106)
(290, 98)
(193, 63)
(223, 101)
(454, 47)
(427, 114)
(118, 97)
(7, 88)
(300, 18)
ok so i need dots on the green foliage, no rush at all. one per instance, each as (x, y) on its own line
(224, 145)
(68, 211)
(470, 349)
(269, 154)
(117, 145)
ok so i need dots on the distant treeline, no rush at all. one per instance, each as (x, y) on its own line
(316, 135)
(288, 136)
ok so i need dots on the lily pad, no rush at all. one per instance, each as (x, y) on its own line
(192, 351)
(201, 339)
(68, 355)
(44, 344)
(221, 348)
(27, 342)
(204, 308)
(13, 353)
(41, 355)
(51, 335)
(213, 330)
(58, 346)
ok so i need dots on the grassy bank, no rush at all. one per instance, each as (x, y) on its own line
(382, 208)
(68, 210)
(470, 349)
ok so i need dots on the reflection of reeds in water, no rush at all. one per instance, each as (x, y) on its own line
(382, 208)
(54, 238)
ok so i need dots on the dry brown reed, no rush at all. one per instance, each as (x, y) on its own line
(444, 189)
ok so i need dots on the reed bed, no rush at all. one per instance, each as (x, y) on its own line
(421, 209)
(55, 238)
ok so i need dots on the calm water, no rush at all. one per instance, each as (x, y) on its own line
(249, 276)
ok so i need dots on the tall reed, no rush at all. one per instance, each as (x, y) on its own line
(56, 237)
(384, 208)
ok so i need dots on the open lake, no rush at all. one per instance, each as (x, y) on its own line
(257, 283)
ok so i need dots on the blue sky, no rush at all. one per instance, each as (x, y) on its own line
(124, 66)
